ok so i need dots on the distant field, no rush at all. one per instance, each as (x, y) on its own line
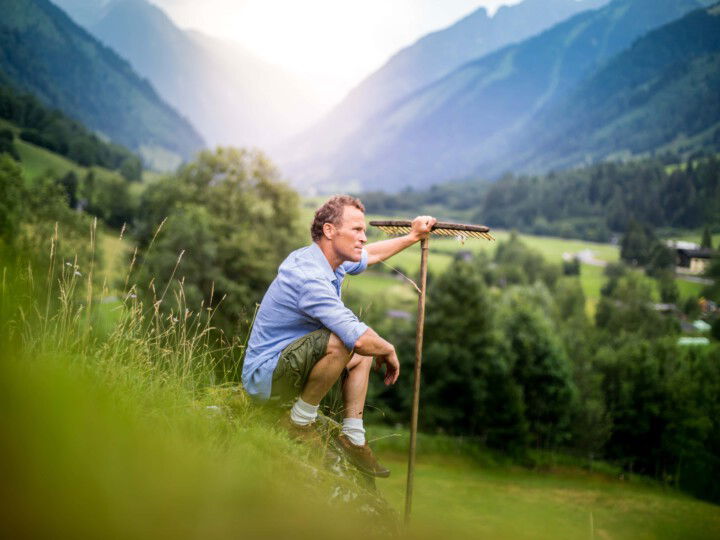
(457, 498)
(37, 161)
(443, 251)
(115, 252)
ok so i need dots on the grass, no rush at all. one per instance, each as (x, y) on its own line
(461, 491)
(37, 161)
(457, 498)
(115, 251)
(689, 289)
(133, 432)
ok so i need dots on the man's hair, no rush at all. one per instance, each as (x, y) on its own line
(332, 212)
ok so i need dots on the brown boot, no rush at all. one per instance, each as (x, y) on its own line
(362, 457)
(309, 434)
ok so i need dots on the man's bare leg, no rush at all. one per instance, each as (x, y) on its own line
(326, 371)
(356, 385)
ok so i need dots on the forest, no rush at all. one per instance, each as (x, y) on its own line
(595, 202)
(513, 360)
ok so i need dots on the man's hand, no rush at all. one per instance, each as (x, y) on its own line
(371, 344)
(392, 367)
(384, 249)
(421, 227)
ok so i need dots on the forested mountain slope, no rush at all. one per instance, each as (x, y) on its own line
(45, 53)
(430, 58)
(231, 96)
(52, 130)
(450, 127)
(662, 93)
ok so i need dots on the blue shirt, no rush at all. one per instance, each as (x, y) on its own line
(305, 296)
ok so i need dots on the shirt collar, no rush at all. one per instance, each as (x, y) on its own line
(319, 257)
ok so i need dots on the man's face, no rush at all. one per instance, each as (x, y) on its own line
(349, 236)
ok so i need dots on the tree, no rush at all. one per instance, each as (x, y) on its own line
(12, 198)
(108, 197)
(6, 144)
(131, 169)
(70, 183)
(706, 242)
(538, 365)
(233, 220)
(637, 244)
(669, 292)
(627, 308)
(467, 387)
(661, 260)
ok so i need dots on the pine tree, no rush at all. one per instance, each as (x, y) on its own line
(706, 242)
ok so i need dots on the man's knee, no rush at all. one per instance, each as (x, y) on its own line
(337, 348)
(359, 361)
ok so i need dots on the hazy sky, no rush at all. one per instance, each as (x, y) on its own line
(331, 43)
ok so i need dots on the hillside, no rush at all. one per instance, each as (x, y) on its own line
(48, 55)
(231, 96)
(640, 102)
(430, 58)
(52, 130)
(450, 127)
(132, 436)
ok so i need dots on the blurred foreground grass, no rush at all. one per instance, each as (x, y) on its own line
(133, 432)
(129, 430)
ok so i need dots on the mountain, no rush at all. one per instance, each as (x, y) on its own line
(46, 54)
(663, 93)
(430, 58)
(54, 131)
(450, 127)
(231, 96)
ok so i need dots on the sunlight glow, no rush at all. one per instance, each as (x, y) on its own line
(332, 44)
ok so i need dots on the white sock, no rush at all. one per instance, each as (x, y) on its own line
(353, 429)
(303, 413)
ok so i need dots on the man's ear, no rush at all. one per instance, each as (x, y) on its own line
(328, 230)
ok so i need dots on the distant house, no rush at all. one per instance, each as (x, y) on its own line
(691, 258)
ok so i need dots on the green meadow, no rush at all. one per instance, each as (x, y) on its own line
(442, 252)
(456, 497)
(126, 423)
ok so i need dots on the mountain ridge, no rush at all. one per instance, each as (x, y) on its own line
(650, 76)
(446, 129)
(45, 53)
(229, 94)
(420, 64)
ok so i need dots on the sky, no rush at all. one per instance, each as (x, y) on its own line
(331, 44)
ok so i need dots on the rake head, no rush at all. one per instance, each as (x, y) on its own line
(453, 230)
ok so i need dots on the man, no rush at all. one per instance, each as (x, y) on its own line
(304, 339)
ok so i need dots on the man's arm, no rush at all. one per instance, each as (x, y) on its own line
(379, 251)
(371, 344)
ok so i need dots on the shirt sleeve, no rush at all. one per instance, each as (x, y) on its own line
(353, 268)
(320, 301)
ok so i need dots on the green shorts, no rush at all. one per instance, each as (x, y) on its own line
(294, 366)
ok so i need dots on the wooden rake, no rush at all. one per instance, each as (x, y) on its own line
(454, 230)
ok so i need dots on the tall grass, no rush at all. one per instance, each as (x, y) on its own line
(131, 430)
